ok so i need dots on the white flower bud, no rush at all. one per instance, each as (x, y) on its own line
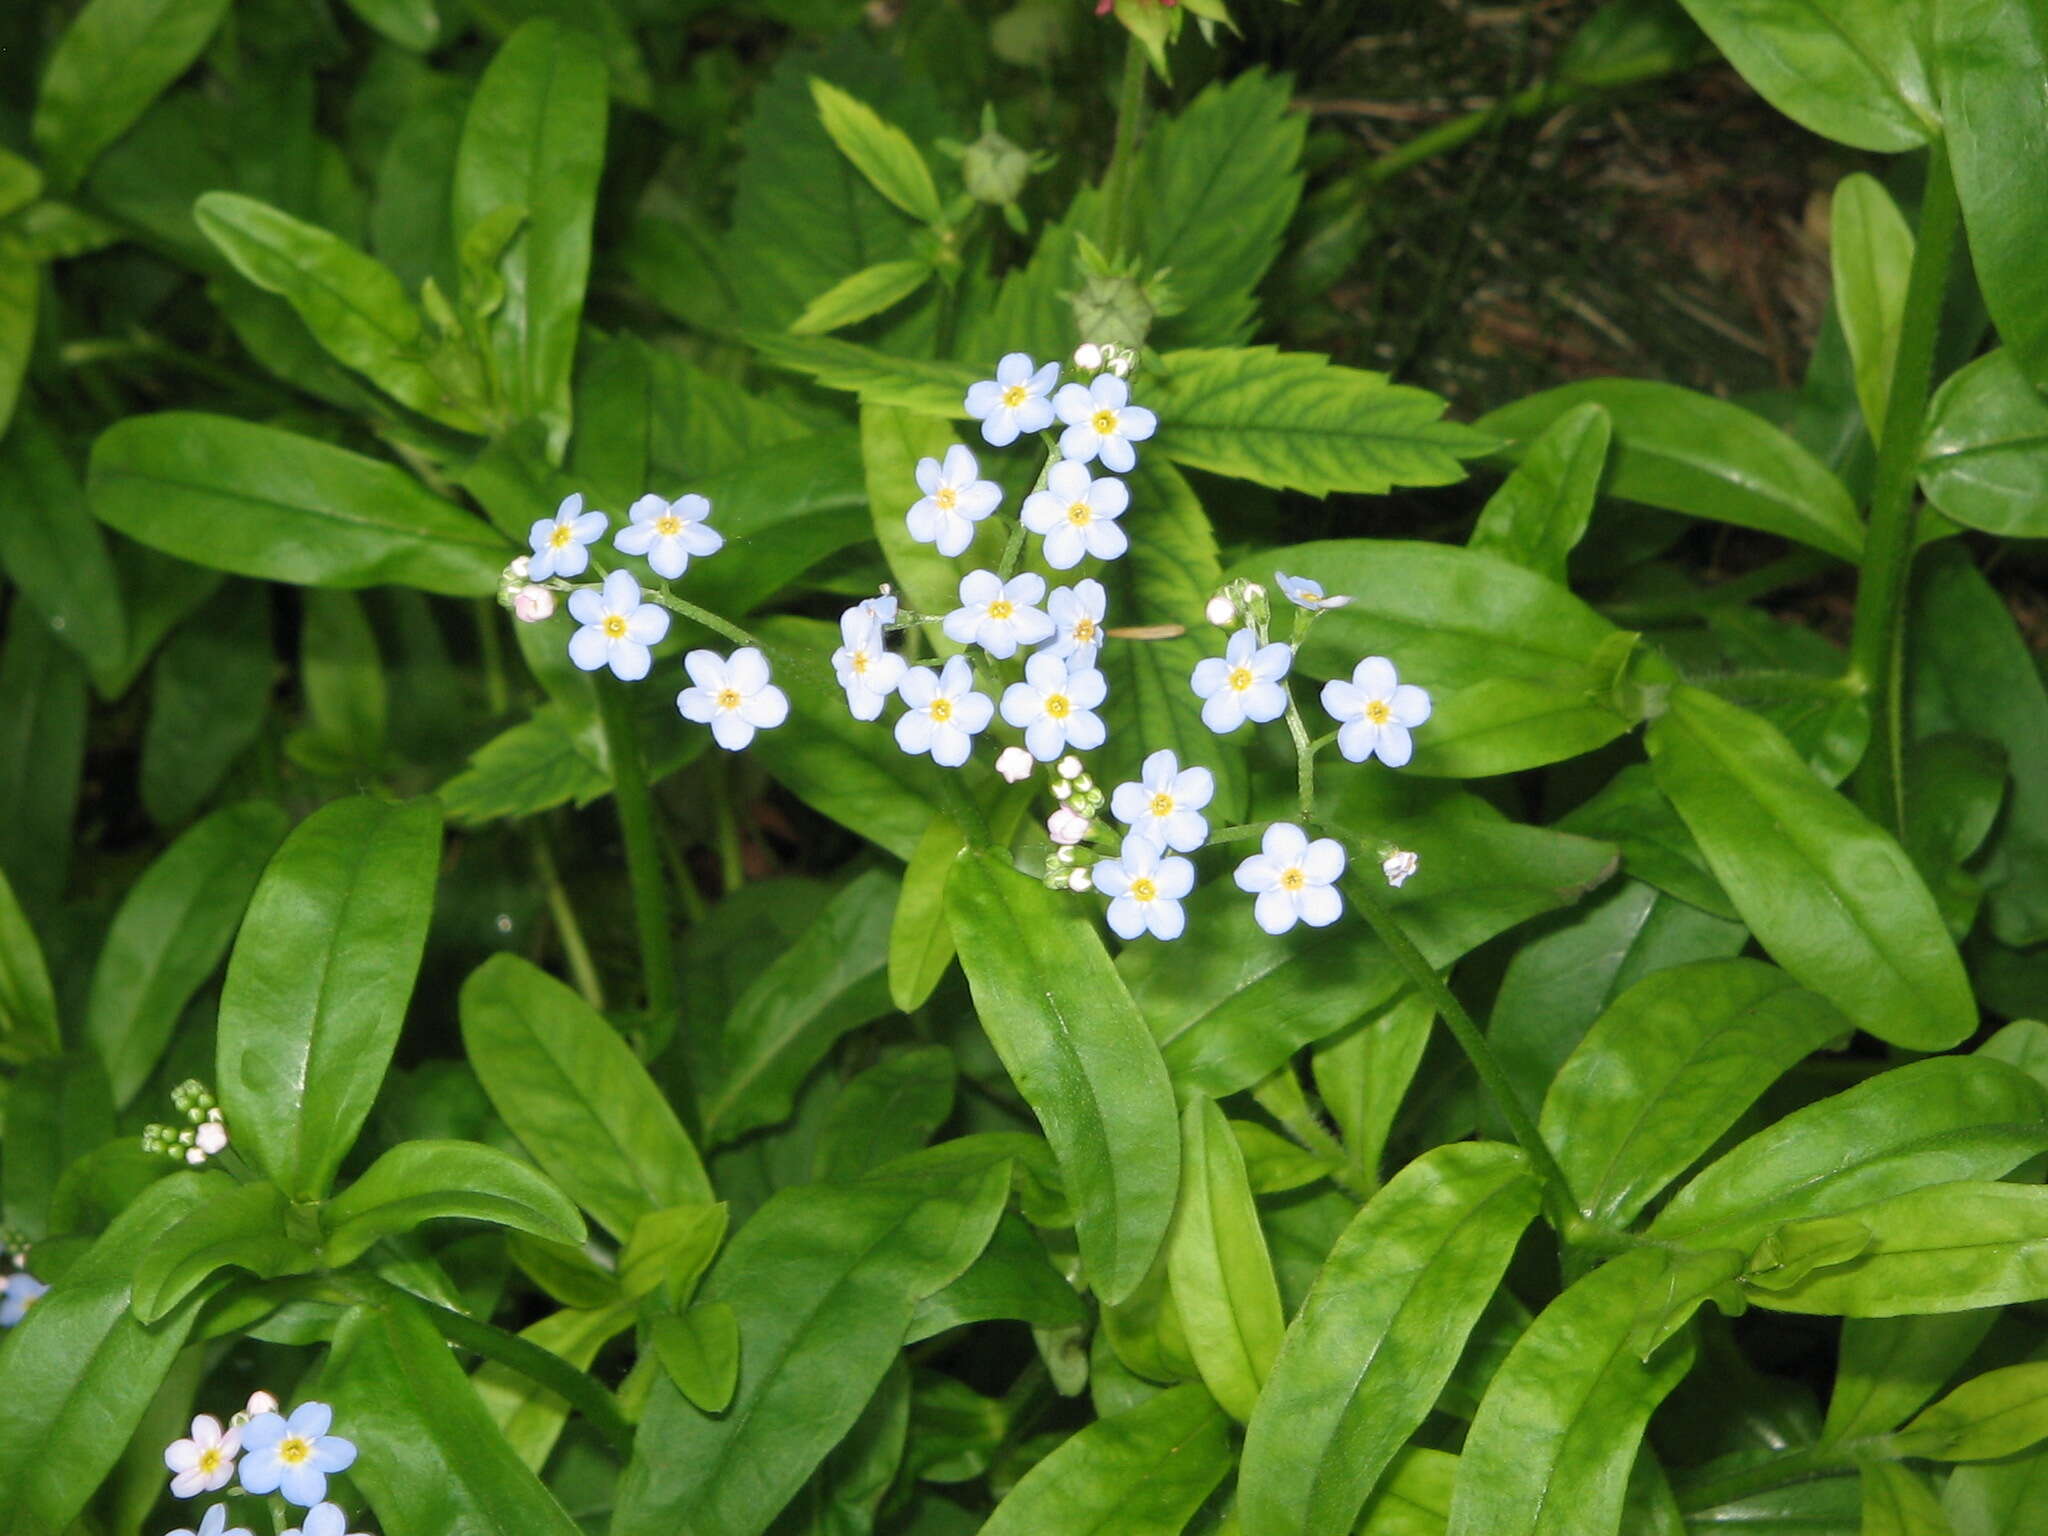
(1064, 856)
(1398, 866)
(1253, 591)
(1064, 826)
(519, 569)
(1014, 764)
(1088, 356)
(1080, 880)
(261, 1402)
(1120, 365)
(212, 1138)
(1070, 767)
(532, 604)
(1221, 612)
(194, 1156)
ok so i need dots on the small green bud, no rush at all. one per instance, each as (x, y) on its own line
(993, 169)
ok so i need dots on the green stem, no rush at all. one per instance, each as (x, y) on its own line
(725, 816)
(959, 805)
(1251, 831)
(1304, 758)
(1563, 1210)
(1282, 1099)
(704, 616)
(567, 928)
(643, 852)
(1877, 649)
(1123, 158)
(1794, 1466)
(574, 1387)
(491, 646)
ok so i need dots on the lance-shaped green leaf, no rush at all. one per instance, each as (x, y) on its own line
(318, 983)
(1891, 1365)
(1142, 1472)
(20, 183)
(78, 1371)
(867, 292)
(1999, 1413)
(1897, 1501)
(1871, 250)
(1379, 1335)
(420, 1181)
(259, 502)
(111, 63)
(1990, 59)
(1414, 1498)
(700, 1350)
(413, 24)
(1948, 1118)
(353, 304)
(1217, 1264)
(880, 151)
(1296, 421)
(669, 1251)
(431, 1458)
(240, 1225)
(531, 1416)
(1691, 453)
(20, 284)
(822, 1281)
(1066, 1030)
(1984, 460)
(829, 981)
(1540, 513)
(1013, 1278)
(1656, 847)
(1363, 1075)
(534, 139)
(889, 1111)
(1942, 1248)
(58, 1110)
(28, 1006)
(926, 387)
(56, 554)
(1850, 70)
(575, 1095)
(1831, 896)
(170, 932)
(1668, 1069)
(1550, 1449)
(1997, 1498)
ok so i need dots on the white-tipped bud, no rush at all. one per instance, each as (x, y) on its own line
(1080, 880)
(1398, 866)
(1014, 764)
(1069, 767)
(1066, 828)
(261, 1402)
(1221, 612)
(194, 1156)
(1253, 591)
(532, 604)
(1120, 365)
(1061, 789)
(211, 1139)
(1088, 357)
(521, 568)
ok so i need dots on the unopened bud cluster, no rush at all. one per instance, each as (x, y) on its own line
(529, 602)
(1080, 802)
(204, 1135)
(1105, 356)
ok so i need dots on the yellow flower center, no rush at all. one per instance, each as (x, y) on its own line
(1015, 395)
(1084, 631)
(210, 1459)
(615, 626)
(563, 535)
(1240, 679)
(1378, 713)
(1104, 422)
(1143, 890)
(1057, 706)
(1162, 804)
(293, 1449)
(859, 662)
(1002, 608)
(728, 698)
(668, 527)
(941, 710)
(1080, 514)
(1293, 880)
(945, 498)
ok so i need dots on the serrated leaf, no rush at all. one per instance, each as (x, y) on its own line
(879, 150)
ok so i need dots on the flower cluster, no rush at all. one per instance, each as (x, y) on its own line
(203, 1136)
(19, 1290)
(288, 1456)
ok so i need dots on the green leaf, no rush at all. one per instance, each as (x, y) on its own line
(342, 676)
(1871, 250)
(1540, 512)
(1849, 70)
(534, 766)
(1996, 1414)
(1690, 453)
(1218, 1267)
(575, 1095)
(1378, 1337)
(534, 139)
(1942, 1248)
(1059, 1017)
(420, 1181)
(1013, 1278)
(923, 387)
(1984, 460)
(889, 1111)
(1363, 1075)
(353, 304)
(58, 1110)
(242, 1225)
(880, 151)
(1947, 1118)
(110, 64)
(56, 554)
(1990, 60)
(1997, 1498)
(920, 943)
(1142, 1472)
(1294, 421)
(318, 983)
(1550, 1449)
(412, 24)
(78, 1372)
(829, 981)
(670, 1249)
(42, 756)
(1656, 846)
(700, 1350)
(20, 183)
(867, 292)
(531, 1416)
(822, 1282)
(1668, 1069)
(28, 1007)
(892, 444)
(168, 935)
(259, 502)
(1891, 1365)
(431, 1456)
(20, 283)
(1898, 1502)
(209, 698)
(1414, 1498)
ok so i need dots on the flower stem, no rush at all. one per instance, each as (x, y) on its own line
(1877, 649)
(643, 853)
(574, 950)
(1304, 757)
(1123, 158)
(704, 616)
(732, 865)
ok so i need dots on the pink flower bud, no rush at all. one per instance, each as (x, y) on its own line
(532, 604)
(1065, 826)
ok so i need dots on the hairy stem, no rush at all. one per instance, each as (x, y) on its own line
(574, 950)
(1123, 159)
